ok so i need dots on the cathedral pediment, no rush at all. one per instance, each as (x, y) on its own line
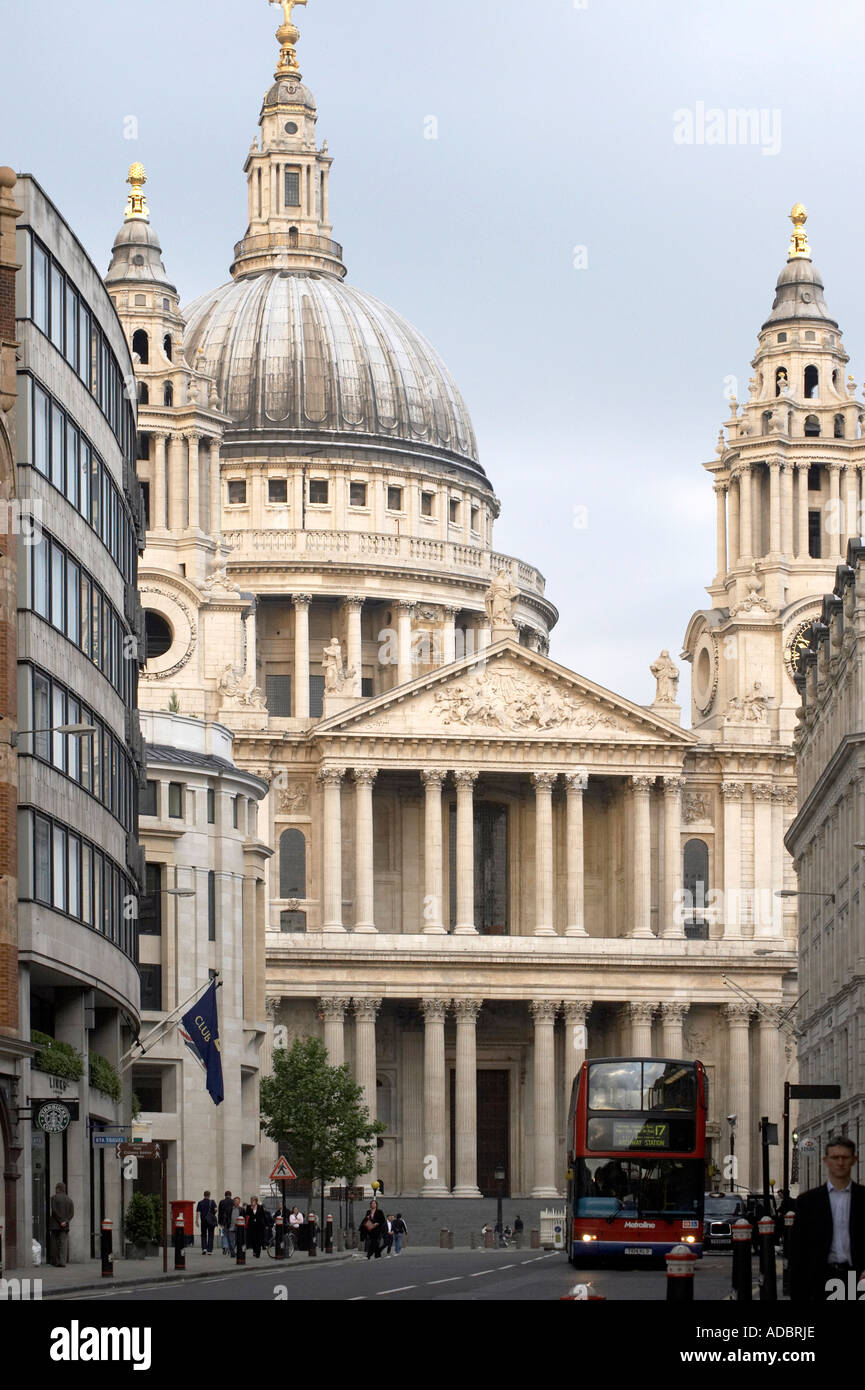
(513, 692)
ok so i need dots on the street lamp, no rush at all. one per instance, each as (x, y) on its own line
(500, 1188)
(75, 730)
(803, 893)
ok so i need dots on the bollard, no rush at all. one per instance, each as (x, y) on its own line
(768, 1274)
(278, 1234)
(789, 1219)
(328, 1236)
(535, 1240)
(106, 1250)
(742, 1261)
(681, 1265)
(240, 1252)
(312, 1234)
(179, 1242)
(489, 1240)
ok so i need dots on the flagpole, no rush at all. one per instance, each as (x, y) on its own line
(131, 1056)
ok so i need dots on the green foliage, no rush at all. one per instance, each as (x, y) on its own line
(138, 1222)
(156, 1204)
(57, 1058)
(136, 1105)
(104, 1077)
(317, 1114)
(174, 703)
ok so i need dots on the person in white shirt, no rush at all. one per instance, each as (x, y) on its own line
(829, 1231)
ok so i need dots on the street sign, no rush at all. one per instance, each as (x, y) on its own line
(139, 1150)
(109, 1139)
(282, 1171)
(815, 1092)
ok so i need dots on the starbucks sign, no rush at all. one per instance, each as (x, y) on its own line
(52, 1117)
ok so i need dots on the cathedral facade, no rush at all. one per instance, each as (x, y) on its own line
(485, 866)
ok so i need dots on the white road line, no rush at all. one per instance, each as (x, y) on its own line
(507, 1266)
(526, 1262)
(402, 1289)
(481, 1272)
(356, 1298)
(452, 1280)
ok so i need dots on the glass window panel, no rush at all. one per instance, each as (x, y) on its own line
(72, 477)
(58, 447)
(73, 595)
(58, 289)
(25, 855)
(84, 469)
(59, 898)
(115, 778)
(211, 906)
(85, 750)
(73, 744)
(292, 864)
(148, 801)
(41, 715)
(211, 805)
(58, 717)
(97, 890)
(86, 883)
(85, 613)
(105, 662)
(84, 345)
(71, 326)
(74, 876)
(278, 696)
(316, 696)
(41, 438)
(40, 288)
(40, 554)
(106, 507)
(615, 1086)
(175, 800)
(108, 894)
(42, 859)
(95, 493)
(58, 588)
(95, 621)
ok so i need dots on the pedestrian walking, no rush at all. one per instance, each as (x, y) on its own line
(256, 1227)
(400, 1231)
(62, 1212)
(387, 1234)
(828, 1240)
(295, 1227)
(518, 1225)
(223, 1216)
(372, 1226)
(205, 1219)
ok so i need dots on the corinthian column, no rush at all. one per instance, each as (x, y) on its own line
(215, 489)
(672, 1028)
(576, 784)
(775, 506)
(721, 527)
(177, 485)
(576, 1038)
(642, 856)
(331, 845)
(465, 925)
(543, 1011)
(639, 1017)
(333, 1012)
(433, 880)
(157, 514)
(364, 895)
(803, 528)
(746, 539)
(194, 475)
(300, 603)
(543, 785)
(732, 794)
(352, 606)
(738, 1018)
(466, 1099)
(434, 1094)
(365, 1066)
(449, 634)
(403, 637)
(672, 876)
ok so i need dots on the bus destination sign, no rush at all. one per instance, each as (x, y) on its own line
(641, 1134)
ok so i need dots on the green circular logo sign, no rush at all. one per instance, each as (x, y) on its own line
(52, 1117)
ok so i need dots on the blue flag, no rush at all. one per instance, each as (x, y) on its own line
(200, 1029)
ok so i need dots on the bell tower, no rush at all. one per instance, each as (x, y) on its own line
(788, 480)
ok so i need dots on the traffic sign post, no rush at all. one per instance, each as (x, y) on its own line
(817, 1091)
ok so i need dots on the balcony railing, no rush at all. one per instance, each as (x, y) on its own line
(283, 241)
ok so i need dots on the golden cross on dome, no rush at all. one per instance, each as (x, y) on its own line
(799, 240)
(287, 7)
(288, 35)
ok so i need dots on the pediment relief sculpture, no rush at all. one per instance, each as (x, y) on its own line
(511, 702)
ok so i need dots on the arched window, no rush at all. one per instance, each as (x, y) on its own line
(812, 383)
(166, 346)
(292, 236)
(839, 426)
(168, 394)
(695, 881)
(812, 426)
(767, 421)
(141, 345)
(292, 864)
(836, 375)
(780, 380)
(143, 393)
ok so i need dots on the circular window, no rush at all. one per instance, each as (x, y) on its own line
(290, 128)
(159, 634)
(704, 671)
(138, 260)
(705, 674)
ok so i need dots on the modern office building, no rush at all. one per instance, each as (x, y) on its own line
(79, 751)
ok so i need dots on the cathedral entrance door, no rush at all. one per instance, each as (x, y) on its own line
(493, 1127)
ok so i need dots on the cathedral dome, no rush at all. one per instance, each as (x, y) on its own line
(305, 352)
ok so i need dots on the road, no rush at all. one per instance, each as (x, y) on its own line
(425, 1276)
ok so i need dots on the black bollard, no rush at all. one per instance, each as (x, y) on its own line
(742, 1261)
(278, 1233)
(789, 1220)
(328, 1236)
(681, 1264)
(768, 1277)
(107, 1251)
(240, 1252)
(312, 1235)
(179, 1241)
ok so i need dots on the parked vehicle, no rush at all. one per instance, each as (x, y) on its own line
(720, 1210)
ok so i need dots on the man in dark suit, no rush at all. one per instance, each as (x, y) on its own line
(829, 1230)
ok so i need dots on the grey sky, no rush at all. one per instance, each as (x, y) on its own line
(599, 387)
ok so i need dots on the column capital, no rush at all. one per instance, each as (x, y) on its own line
(365, 776)
(433, 777)
(577, 1010)
(365, 1010)
(641, 785)
(738, 1013)
(467, 1010)
(544, 781)
(761, 791)
(301, 600)
(672, 1011)
(434, 1010)
(406, 605)
(449, 610)
(353, 601)
(732, 791)
(720, 489)
(577, 781)
(543, 1010)
(466, 777)
(272, 1005)
(672, 784)
(767, 1025)
(641, 1011)
(331, 776)
(333, 1007)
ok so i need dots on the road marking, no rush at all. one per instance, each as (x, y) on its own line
(451, 1280)
(402, 1289)
(481, 1272)
(526, 1262)
(507, 1266)
(356, 1298)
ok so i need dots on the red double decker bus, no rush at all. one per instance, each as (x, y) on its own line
(637, 1139)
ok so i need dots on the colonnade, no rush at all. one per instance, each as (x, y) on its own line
(740, 512)
(176, 501)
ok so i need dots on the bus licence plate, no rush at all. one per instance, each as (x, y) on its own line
(638, 1250)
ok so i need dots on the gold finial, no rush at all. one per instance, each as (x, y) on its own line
(799, 240)
(136, 203)
(288, 35)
